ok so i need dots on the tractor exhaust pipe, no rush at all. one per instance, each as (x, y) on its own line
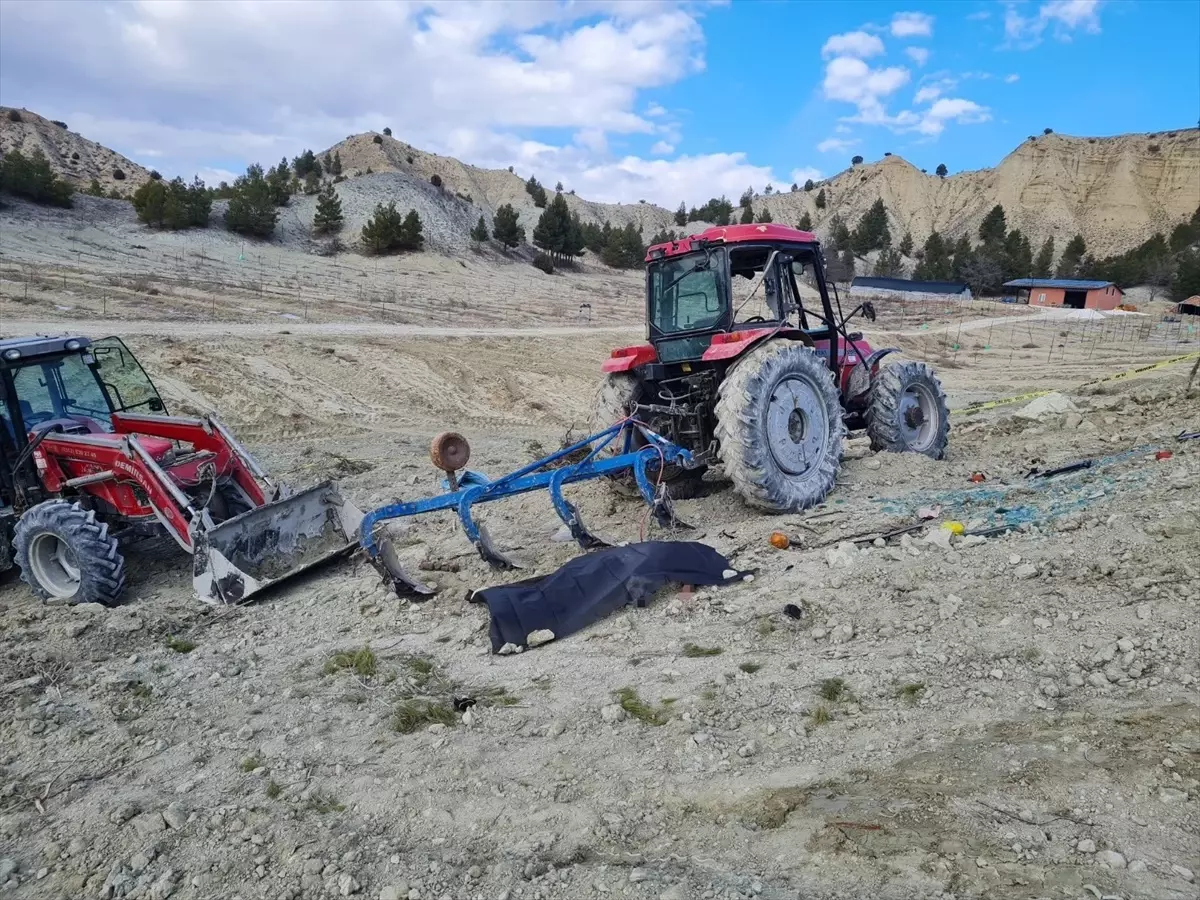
(245, 554)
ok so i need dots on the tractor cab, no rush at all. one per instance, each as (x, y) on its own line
(65, 385)
(707, 289)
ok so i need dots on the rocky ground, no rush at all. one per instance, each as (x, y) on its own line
(927, 716)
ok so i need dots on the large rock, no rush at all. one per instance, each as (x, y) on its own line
(1049, 407)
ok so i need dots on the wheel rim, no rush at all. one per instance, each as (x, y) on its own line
(797, 425)
(919, 416)
(54, 565)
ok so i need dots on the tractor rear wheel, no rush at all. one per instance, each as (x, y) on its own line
(65, 554)
(780, 429)
(907, 412)
(616, 397)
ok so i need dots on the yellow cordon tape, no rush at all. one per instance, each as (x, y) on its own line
(1033, 395)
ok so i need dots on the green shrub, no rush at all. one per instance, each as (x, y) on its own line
(32, 178)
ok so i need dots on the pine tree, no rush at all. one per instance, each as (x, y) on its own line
(942, 171)
(906, 244)
(889, 264)
(820, 201)
(847, 264)
(336, 168)
(312, 182)
(795, 187)
(251, 209)
(1045, 259)
(681, 214)
(935, 260)
(505, 228)
(304, 163)
(764, 216)
(805, 223)
(747, 215)
(624, 248)
(839, 232)
(536, 191)
(279, 181)
(479, 233)
(328, 217)
(173, 205)
(553, 230)
(747, 198)
(993, 228)
(1072, 256)
(872, 232)
(1186, 281)
(95, 189)
(411, 237)
(32, 178)
(573, 244)
(808, 185)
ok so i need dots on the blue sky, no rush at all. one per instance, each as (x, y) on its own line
(664, 100)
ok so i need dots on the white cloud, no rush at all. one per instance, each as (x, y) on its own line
(853, 81)
(799, 176)
(854, 43)
(214, 86)
(1061, 16)
(662, 148)
(912, 24)
(837, 145)
(964, 112)
(927, 93)
(1012, 79)
(919, 55)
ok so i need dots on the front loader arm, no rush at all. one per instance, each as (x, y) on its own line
(79, 461)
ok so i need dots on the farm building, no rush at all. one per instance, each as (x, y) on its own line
(903, 288)
(1189, 307)
(1069, 292)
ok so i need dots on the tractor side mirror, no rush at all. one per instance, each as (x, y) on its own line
(869, 311)
(155, 404)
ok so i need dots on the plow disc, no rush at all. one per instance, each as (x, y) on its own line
(249, 552)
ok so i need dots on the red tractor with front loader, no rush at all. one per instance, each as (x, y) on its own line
(755, 382)
(91, 462)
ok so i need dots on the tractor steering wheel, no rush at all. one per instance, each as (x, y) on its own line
(753, 319)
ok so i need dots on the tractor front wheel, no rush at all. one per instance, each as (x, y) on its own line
(64, 554)
(907, 412)
(780, 429)
(616, 398)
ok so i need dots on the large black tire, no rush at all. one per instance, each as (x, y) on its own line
(64, 554)
(615, 399)
(907, 412)
(779, 426)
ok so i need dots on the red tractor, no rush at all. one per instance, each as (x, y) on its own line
(754, 381)
(89, 461)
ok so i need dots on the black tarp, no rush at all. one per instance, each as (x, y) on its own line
(594, 585)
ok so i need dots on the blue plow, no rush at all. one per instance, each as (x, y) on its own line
(466, 488)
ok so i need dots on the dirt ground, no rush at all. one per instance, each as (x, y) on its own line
(1011, 716)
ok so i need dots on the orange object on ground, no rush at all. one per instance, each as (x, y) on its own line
(977, 478)
(1163, 454)
(780, 541)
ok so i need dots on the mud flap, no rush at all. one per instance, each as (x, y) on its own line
(860, 375)
(258, 548)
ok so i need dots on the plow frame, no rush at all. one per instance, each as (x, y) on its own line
(472, 488)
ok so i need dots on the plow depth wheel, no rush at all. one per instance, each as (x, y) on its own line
(615, 399)
(908, 412)
(779, 424)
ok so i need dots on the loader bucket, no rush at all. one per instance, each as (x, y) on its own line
(245, 554)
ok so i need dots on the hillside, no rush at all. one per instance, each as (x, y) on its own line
(1116, 191)
(71, 155)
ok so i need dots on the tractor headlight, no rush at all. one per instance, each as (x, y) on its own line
(12, 354)
(72, 345)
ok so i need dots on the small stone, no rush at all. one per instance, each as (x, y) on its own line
(872, 464)
(750, 748)
(1097, 679)
(949, 607)
(175, 816)
(1041, 623)
(123, 622)
(1184, 872)
(1138, 865)
(1143, 611)
(149, 823)
(841, 634)
(612, 713)
(1025, 571)
(998, 674)
(1171, 795)
(508, 650)
(556, 728)
(842, 556)
(539, 637)
(638, 875)
(1110, 859)
(674, 892)
(392, 892)
(347, 885)
(1087, 845)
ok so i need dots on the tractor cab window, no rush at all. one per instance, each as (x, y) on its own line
(124, 378)
(62, 388)
(763, 290)
(685, 293)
